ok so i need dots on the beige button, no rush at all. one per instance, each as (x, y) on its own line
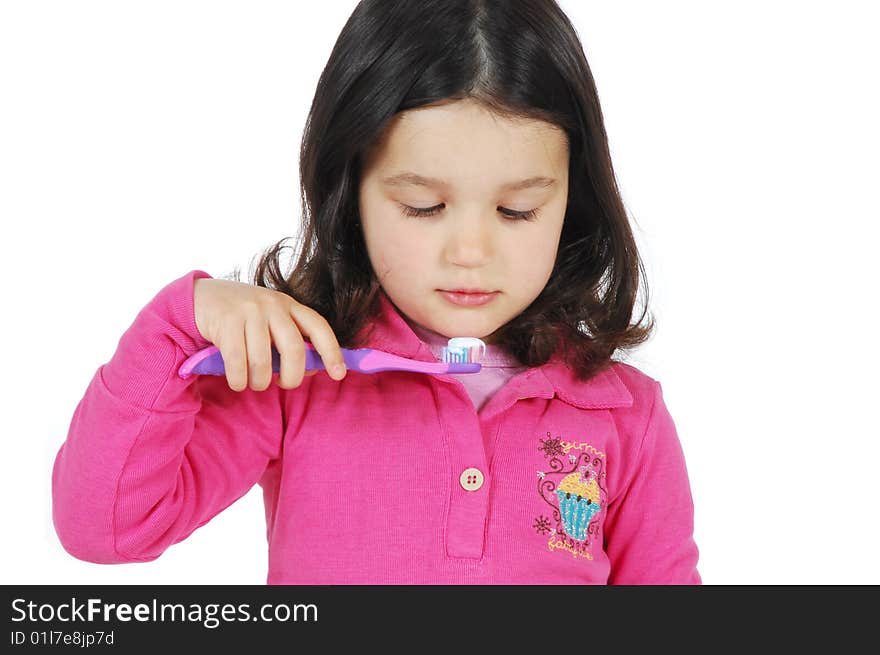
(471, 479)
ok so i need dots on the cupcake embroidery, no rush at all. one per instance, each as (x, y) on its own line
(573, 488)
(578, 502)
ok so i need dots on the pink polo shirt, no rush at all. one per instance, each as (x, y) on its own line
(385, 478)
(497, 367)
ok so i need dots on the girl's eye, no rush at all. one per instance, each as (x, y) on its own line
(430, 211)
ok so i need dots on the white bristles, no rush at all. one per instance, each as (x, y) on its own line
(463, 350)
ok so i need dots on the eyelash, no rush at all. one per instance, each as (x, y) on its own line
(424, 212)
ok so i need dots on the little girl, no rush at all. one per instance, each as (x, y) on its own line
(452, 146)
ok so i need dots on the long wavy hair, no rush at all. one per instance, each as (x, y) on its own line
(518, 59)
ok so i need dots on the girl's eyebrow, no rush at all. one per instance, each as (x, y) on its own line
(413, 179)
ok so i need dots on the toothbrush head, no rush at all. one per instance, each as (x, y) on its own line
(463, 350)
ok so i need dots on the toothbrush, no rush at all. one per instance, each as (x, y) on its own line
(460, 355)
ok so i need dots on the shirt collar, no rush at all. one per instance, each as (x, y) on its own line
(388, 331)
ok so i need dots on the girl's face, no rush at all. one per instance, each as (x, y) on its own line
(462, 164)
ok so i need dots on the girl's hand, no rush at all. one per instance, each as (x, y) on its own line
(244, 320)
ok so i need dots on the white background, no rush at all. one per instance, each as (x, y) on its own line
(140, 140)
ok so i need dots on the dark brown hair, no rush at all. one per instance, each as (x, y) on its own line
(518, 59)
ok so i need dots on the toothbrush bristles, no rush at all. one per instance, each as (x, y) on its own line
(460, 355)
(464, 350)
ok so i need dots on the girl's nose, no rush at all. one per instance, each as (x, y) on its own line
(469, 243)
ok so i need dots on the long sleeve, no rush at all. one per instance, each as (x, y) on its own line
(150, 457)
(649, 528)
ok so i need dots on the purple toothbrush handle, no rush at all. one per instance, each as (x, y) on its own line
(209, 361)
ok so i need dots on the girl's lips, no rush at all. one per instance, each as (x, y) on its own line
(468, 299)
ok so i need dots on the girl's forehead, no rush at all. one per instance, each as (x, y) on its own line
(448, 138)
(463, 123)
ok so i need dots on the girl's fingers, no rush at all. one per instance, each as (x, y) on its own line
(291, 348)
(259, 352)
(319, 332)
(232, 349)
(247, 347)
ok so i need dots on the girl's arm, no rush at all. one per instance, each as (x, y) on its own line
(649, 528)
(150, 457)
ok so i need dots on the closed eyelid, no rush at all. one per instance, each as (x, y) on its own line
(510, 214)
